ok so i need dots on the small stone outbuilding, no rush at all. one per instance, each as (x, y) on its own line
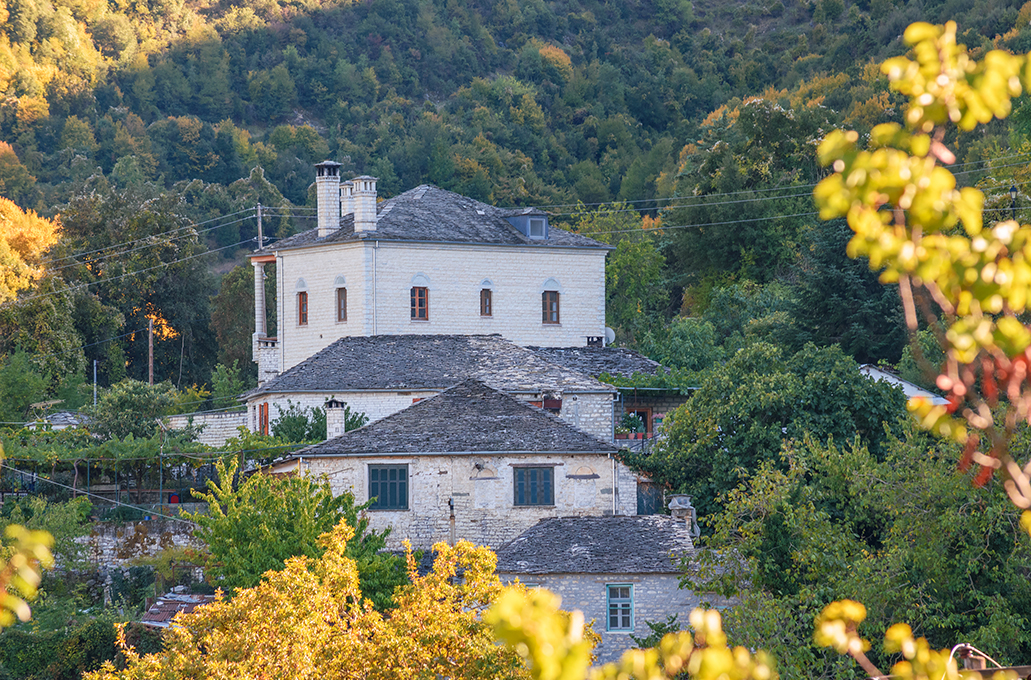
(619, 571)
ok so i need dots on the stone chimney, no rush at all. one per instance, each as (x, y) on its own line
(327, 194)
(336, 412)
(680, 507)
(346, 198)
(364, 203)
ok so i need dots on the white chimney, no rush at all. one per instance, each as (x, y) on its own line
(336, 418)
(327, 194)
(346, 198)
(364, 203)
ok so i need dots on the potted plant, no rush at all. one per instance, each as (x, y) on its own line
(633, 425)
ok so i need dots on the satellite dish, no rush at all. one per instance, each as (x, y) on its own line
(610, 336)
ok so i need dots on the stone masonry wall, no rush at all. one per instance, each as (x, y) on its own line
(117, 544)
(591, 413)
(218, 426)
(655, 596)
(485, 512)
(456, 275)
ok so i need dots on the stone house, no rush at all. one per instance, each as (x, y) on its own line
(470, 463)
(427, 261)
(621, 572)
(384, 374)
(651, 404)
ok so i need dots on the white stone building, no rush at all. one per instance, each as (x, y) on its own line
(470, 463)
(425, 262)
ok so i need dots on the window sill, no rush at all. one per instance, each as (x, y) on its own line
(624, 631)
(546, 507)
(420, 320)
(388, 509)
(556, 323)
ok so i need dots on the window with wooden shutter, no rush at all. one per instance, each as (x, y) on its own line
(486, 303)
(534, 486)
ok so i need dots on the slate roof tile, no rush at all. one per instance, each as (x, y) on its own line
(410, 362)
(594, 361)
(469, 417)
(427, 213)
(646, 544)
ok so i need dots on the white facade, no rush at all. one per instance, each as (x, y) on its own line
(379, 276)
(384, 259)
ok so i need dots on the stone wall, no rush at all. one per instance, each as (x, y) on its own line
(482, 487)
(379, 278)
(655, 597)
(218, 426)
(659, 406)
(120, 544)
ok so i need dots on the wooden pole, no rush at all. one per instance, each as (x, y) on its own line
(150, 349)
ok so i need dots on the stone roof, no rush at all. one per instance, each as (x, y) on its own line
(597, 360)
(427, 213)
(426, 362)
(467, 418)
(646, 544)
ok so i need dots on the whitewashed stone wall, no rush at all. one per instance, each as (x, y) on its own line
(485, 512)
(591, 412)
(456, 274)
(217, 426)
(655, 597)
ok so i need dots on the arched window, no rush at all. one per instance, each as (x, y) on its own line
(420, 297)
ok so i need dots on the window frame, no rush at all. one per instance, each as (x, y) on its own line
(624, 606)
(400, 481)
(302, 308)
(543, 225)
(486, 302)
(520, 476)
(420, 307)
(548, 316)
(263, 419)
(341, 297)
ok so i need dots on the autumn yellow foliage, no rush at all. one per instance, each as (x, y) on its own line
(310, 621)
(24, 237)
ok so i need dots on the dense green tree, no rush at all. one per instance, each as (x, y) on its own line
(131, 407)
(746, 409)
(253, 527)
(838, 300)
(836, 521)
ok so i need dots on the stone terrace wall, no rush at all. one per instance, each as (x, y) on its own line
(120, 544)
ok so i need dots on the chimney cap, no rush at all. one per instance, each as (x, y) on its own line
(328, 164)
(365, 177)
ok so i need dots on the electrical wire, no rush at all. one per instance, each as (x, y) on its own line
(134, 273)
(125, 243)
(153, 243)
(145, 511)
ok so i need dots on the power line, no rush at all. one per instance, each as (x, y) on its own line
(153, 243)
(125, 243)
(145, 511)
(134, 273)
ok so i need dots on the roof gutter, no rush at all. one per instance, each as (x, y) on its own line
(392, 454)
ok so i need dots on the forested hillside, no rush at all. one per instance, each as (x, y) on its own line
(151, 130)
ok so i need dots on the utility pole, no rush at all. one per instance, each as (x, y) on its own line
(150, 349)
(261, 237)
